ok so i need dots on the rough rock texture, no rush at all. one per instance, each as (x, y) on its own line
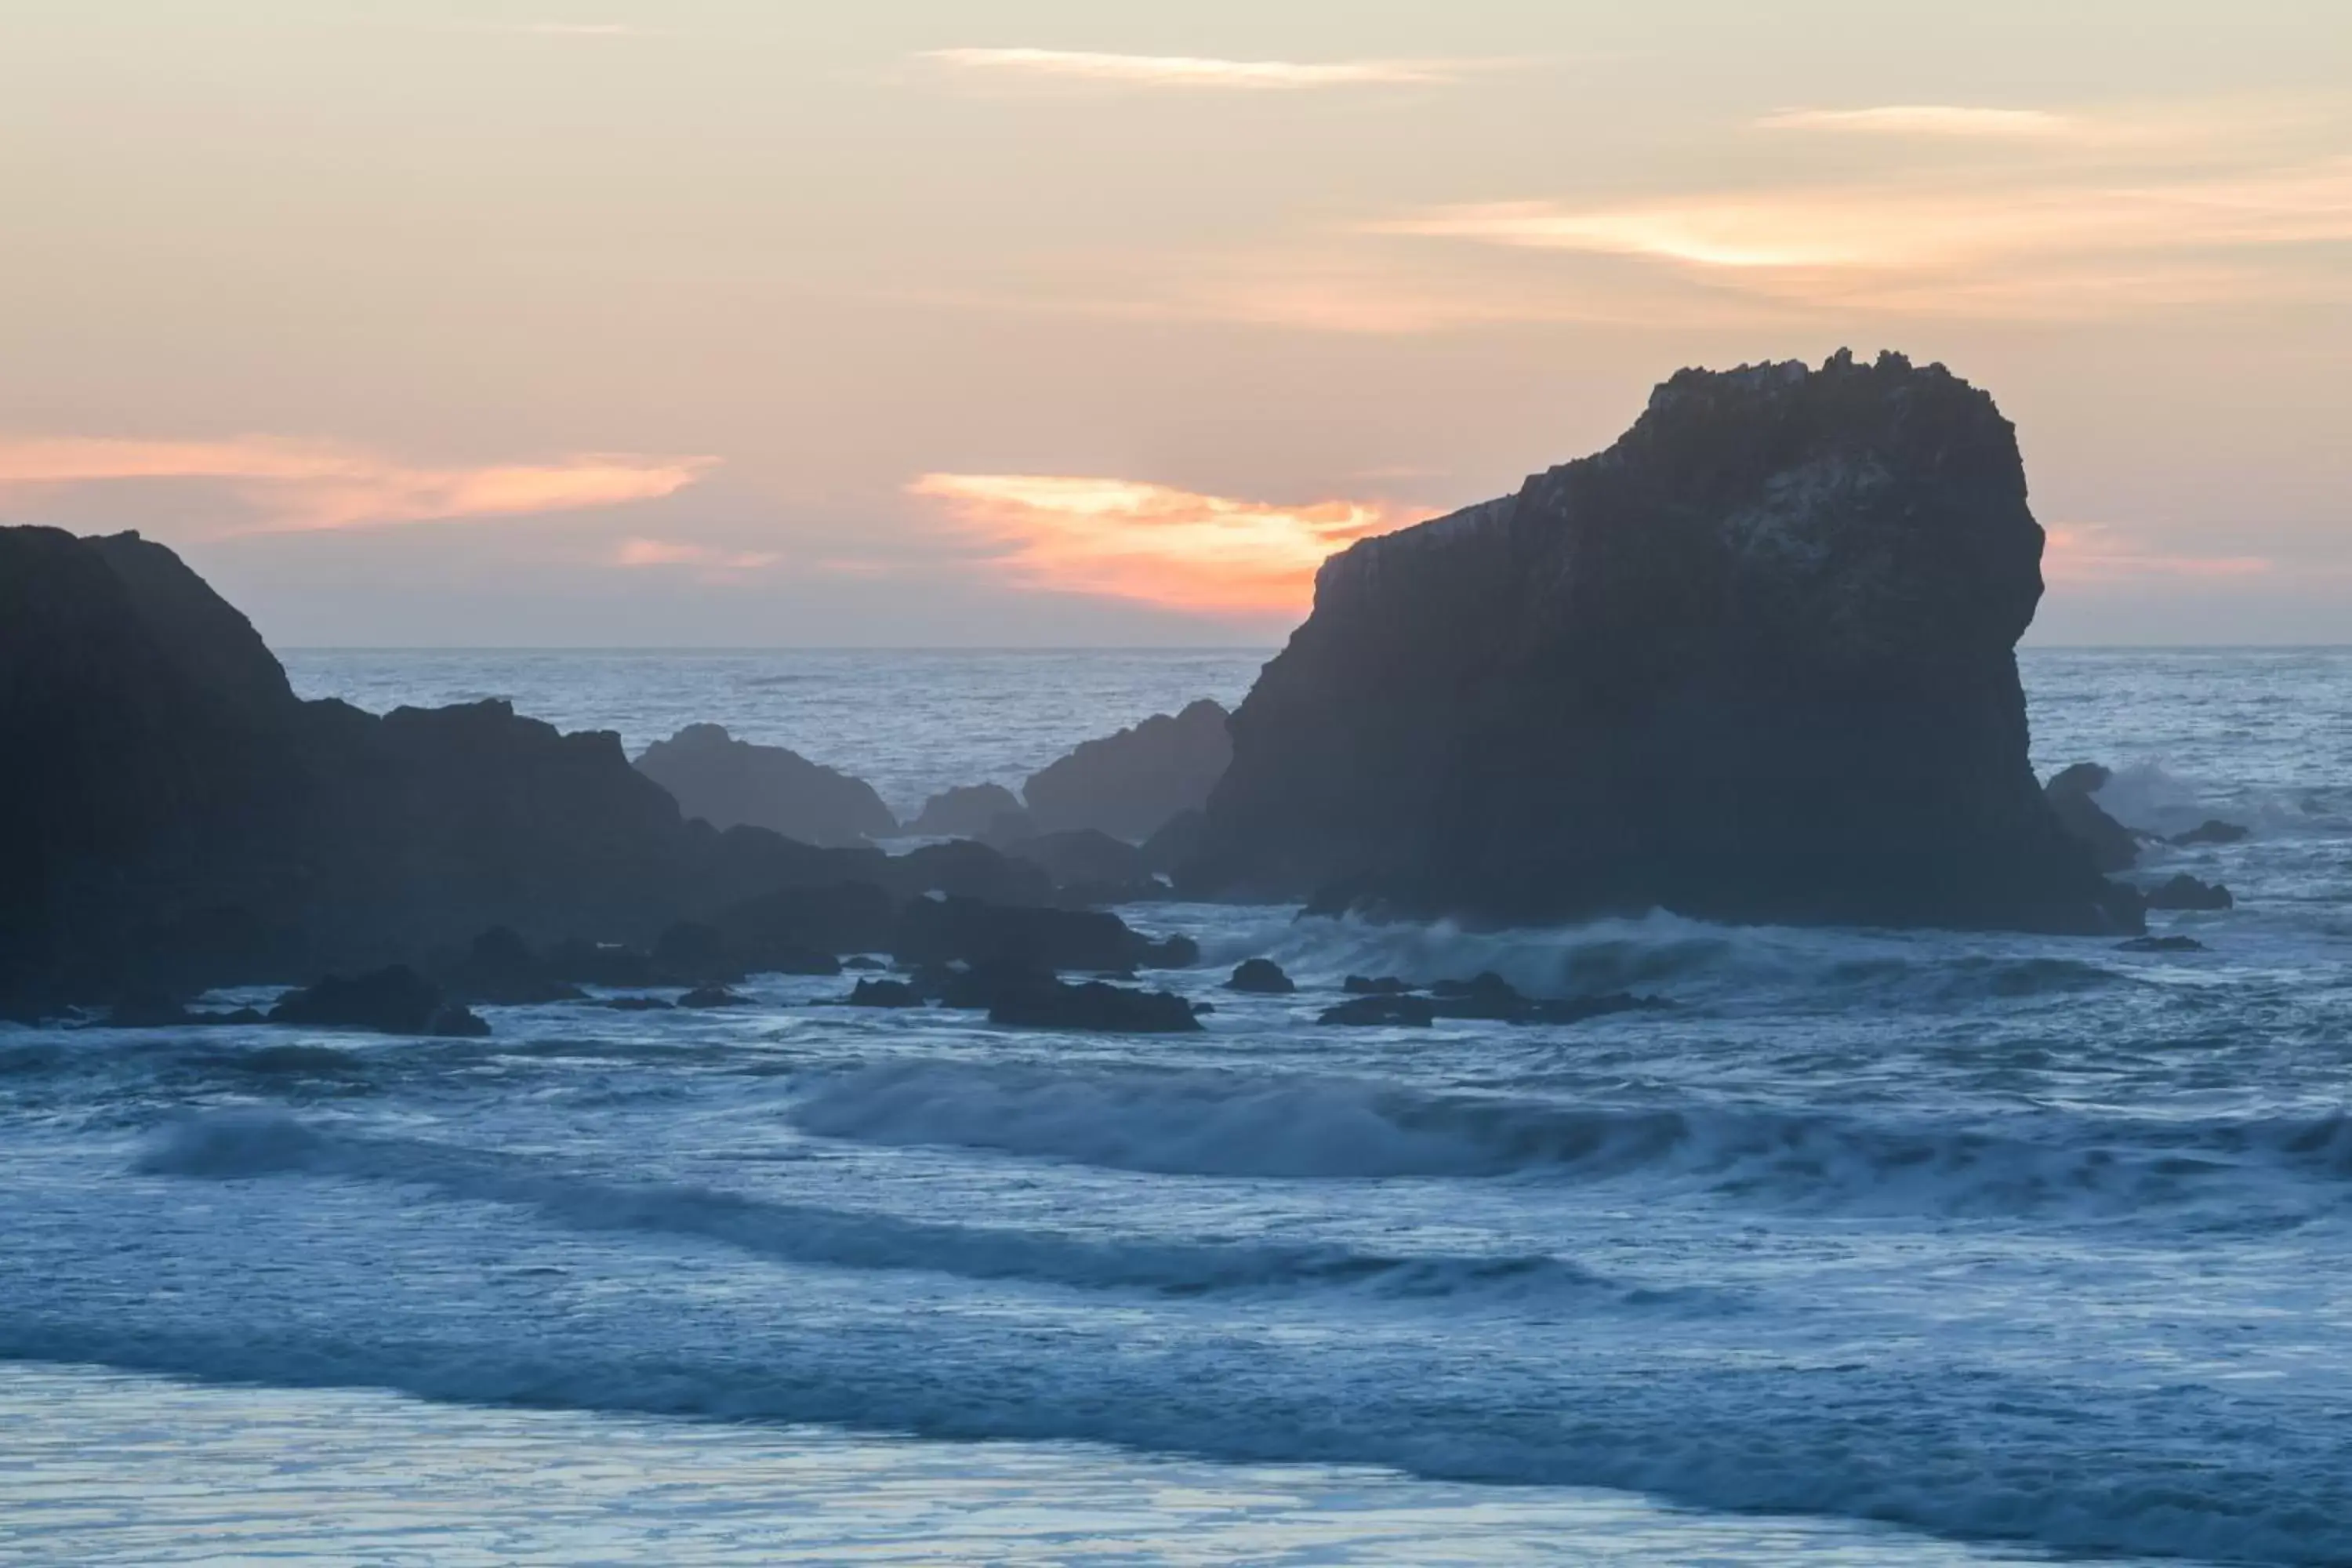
(729, 783)
(1129, 785)
(1753, 662)
(967, 811)
(2073, 793)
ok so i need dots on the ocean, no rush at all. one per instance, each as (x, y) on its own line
(1876, 1247)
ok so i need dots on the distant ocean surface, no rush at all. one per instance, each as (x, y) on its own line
(1877, 1248)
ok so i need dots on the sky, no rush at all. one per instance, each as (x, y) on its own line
(1010, 323)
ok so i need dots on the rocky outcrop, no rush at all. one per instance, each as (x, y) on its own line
(972, 811)
(1754, 662)
(393, 1001)
(1129, 785)
(729, 783)
(2073, 793)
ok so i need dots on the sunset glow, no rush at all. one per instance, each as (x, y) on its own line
(1200, 554)
(1189, 71)
(300, 486)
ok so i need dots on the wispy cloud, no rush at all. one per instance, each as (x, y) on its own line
(1930, 120)
(297, 486)
(1202, 554)
(2090, 554)
(1907, 245)
(1189, 71)
(707, 559)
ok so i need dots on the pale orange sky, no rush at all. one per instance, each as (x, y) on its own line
(724, 322)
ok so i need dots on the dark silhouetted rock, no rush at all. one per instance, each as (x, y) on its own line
(1754, 662)
(1378, 1012)
(967, 811)
(2186, 892)
(964, 869)
(143, 1008)
(1132, 784)
(692, 953)
(989, 984)
(1169, 952)
(1484, 995)
(637, 1003)
(884, 994)
(1375, 985)
(1178, 839)
(945, 930)
(2070, 791)
(863, 961)
(713, 996)
(729, 783)
(1095, 1007)
(393, 1001)
(798, 931)
(2161, 945)
(500, 969)
(601, 963)
(2212, 831)
(1082, 856)
(1260, 977)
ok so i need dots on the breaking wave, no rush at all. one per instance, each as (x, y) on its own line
(1222, 1124)
(229, 1145)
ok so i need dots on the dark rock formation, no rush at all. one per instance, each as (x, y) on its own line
(964, 869)
(884, 994)
(1754, 662)
(1082, 857)
(1129, 785)
(967, 811)
(637, 1005)
(1375, 985)
(2212, 831)
(1180, 838)
(1382, 1012)
(500, 969)
(393, 1001)
(1095, 1007)
(2070, 792)
(2186, 892)
(797, 930)
(729, 783)
(712, 997)
(1260, 977)
(946, 931)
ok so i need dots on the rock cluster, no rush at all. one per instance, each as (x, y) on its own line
(729, 783)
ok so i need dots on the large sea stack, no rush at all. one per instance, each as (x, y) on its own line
(1754, 662)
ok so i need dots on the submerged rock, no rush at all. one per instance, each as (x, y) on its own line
(944, 930)
(2161, 945)
(1130, 784)
(2212, 831)
(1375, 985)
(1385, 1011)
(1260, 977)
(729, 783)
(884, 994)
(2070, 791)
(1754, 662)
(393, 1001)
(713, 996)
(2186, 892)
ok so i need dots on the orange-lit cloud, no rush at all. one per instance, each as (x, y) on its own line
(1198, 553)
(1190, 71)
(1929, 119)
(297, 486)
(2088, 555)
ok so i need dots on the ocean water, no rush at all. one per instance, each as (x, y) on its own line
(1877, 1248)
